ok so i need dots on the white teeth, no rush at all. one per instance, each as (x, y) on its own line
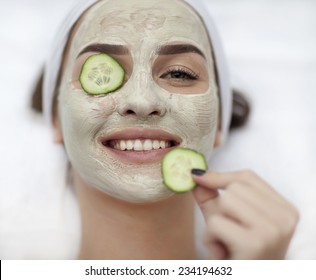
(162, 144)
(140, 145)
(156, 145)
(122, 145)
(148, 145)
(129, 145)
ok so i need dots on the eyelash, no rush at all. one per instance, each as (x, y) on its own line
(188, 74)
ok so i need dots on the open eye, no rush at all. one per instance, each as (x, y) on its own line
(179, 73)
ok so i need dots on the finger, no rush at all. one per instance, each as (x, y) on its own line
(215, 180)
(254, 191)
(227, 232)
(239, 203)
(247, 207)
(207, 193)
(255, 208)
(233, 205)
(218, 251)
(218, 180)
(206, 200)
(202, 194)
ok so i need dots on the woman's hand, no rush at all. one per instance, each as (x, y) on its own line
(247, 219)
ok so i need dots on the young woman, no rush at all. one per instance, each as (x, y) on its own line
(174, 93)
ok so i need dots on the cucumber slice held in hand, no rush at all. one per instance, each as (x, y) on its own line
(177, 166)
(101, 74)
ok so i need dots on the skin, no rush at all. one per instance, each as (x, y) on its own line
(185, 108)
(246, 220)
(262, 221)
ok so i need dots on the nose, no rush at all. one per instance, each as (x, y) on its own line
(141, 100)
(142, 109)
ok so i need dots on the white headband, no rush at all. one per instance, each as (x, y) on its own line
(54, 61)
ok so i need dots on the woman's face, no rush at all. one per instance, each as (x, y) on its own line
(115, 142)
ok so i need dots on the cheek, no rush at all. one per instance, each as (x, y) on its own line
(195, 119)
(199, 112)
(102, 107)
(84, 114)
(206, 114)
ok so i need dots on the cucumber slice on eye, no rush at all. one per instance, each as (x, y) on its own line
(177, 166)
(101, 74)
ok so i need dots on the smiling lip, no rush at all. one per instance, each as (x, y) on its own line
(139, 145)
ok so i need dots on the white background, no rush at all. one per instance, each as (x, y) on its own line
(270, 47)
(241, 270)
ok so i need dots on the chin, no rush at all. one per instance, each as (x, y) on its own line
(136, 191)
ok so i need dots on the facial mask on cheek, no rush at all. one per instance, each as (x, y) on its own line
(196, 119)
(85, 119)
(188, 117)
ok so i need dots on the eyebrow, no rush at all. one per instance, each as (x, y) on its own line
(178, 49)
(105, 48)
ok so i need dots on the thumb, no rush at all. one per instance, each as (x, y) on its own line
(206, 198)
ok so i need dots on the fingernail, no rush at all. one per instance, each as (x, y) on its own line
(198, 172)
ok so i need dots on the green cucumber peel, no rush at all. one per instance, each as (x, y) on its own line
(176, 168)
(101, 74)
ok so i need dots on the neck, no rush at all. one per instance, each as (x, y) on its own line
(115, 229)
